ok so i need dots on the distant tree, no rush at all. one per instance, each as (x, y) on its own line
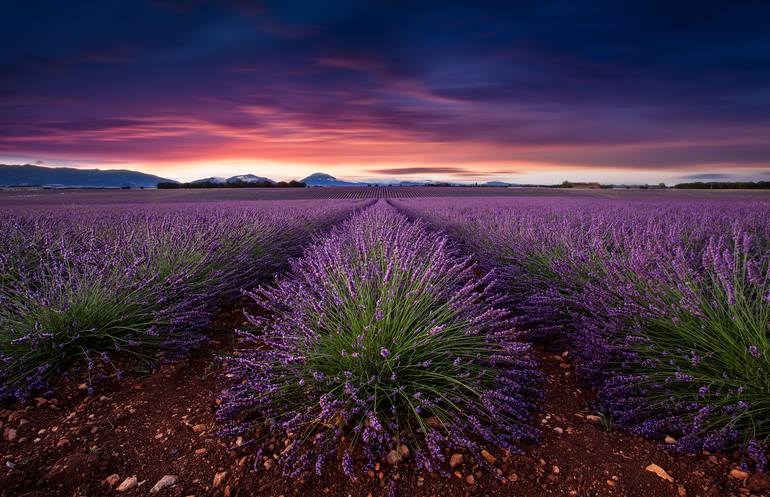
(234, 184)
(725, 185)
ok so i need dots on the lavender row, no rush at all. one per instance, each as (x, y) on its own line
(80, 286)
(666, 304)
(382, 343)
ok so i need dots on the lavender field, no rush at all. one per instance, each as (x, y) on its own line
(404, 330)
(666, 304)
(82, 284)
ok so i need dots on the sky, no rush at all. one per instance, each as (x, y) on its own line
(531, 92)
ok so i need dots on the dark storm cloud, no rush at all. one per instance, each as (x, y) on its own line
(606, 84)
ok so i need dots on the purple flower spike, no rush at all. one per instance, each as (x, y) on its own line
(139, 281)
(411, 308)
(659, 299)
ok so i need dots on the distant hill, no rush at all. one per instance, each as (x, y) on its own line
(240, 181)
(249, 178)
(241, 178)
(323, 179)
(29, 175)
(212, 179)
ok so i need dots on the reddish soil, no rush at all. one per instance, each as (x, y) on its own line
(164, 424)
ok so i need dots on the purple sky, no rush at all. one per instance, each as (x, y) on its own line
(539, 92)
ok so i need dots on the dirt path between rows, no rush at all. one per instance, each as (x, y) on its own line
(164, 424)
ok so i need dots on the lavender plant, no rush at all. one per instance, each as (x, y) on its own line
(82, 287)
(382, 341)
(697, 364)
(666, 312)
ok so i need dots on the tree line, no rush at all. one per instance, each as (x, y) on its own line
(237, 184)
(725, 185)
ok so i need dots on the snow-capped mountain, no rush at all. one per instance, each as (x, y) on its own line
(248, 178)
(241, 178)
(213, 179)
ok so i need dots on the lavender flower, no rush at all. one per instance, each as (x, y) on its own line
(656, 299)
(381, 285)
(144, 282)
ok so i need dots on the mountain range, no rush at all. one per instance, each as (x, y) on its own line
(241, 178)
(29, 175)
(315, 179)
(70, 177)
(323, 179)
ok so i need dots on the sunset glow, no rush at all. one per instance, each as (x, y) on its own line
(441, 91)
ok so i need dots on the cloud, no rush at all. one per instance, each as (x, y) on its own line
(424, 170)
(708, 176)
(460, 89)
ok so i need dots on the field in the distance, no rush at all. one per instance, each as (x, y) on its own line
(35, 197)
